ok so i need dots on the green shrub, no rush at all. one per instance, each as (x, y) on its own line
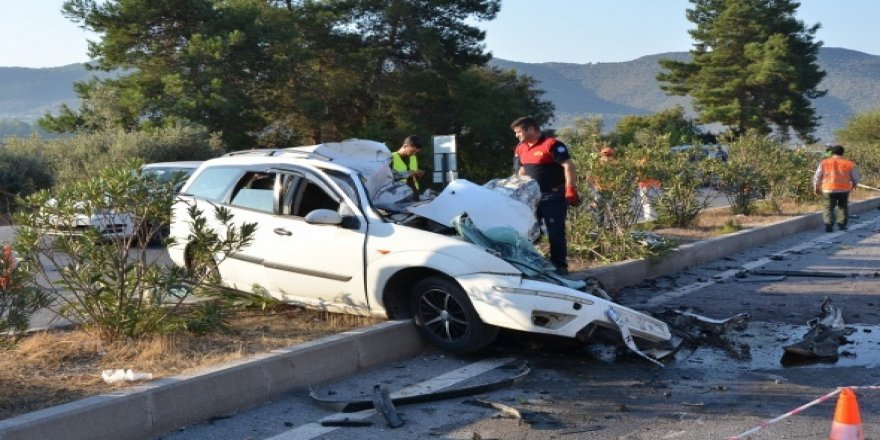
(602, 228)
(111, 284)
(866, 156)
(759, 167)
(74, 158)
(681, 200)
(21, 174)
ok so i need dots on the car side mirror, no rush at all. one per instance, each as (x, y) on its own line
(323, 217)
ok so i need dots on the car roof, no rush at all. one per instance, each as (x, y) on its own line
(183, 164)
(292, 156)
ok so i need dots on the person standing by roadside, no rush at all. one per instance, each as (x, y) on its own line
(649, 190)
(548, 161)
(835, 178)
(599, 190)
(405, 163)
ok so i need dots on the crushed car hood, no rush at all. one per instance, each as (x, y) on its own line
(486, 208)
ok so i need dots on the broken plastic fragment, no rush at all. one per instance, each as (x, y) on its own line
(824, 337)
(120, 375)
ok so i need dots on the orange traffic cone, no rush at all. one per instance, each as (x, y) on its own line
(847, 423)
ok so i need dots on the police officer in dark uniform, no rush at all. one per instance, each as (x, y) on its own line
(547, 160)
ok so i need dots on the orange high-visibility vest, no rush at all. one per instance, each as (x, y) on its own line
(837, 174)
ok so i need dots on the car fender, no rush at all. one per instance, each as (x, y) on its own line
(381, 269)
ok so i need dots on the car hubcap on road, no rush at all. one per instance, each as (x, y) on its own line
(443, 315)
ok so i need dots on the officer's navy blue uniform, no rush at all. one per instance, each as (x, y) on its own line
(542, 162)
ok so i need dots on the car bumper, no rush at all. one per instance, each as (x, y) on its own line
(107, 226)
(540, 307)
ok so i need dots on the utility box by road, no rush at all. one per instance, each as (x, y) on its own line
(445, 159)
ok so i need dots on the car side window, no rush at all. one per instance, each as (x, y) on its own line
(345, 183)
(306, 196)
(255, 190)
(213, 183)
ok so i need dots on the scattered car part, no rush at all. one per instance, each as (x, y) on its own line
(384, 406)
(627, 336)
(799, 273)
(360, 405)
(824, 337)
(760, 279)
(121, 375)
(717, 326)
(506, 410)
(696, 330)
(346, 422)
(536, 419)
(594, 287)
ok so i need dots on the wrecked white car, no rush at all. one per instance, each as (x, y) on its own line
(335, 232)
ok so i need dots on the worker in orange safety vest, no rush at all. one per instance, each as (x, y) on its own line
(835, 178)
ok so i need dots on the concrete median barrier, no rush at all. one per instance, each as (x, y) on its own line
(150, 410)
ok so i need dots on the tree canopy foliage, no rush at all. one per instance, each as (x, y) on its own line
(753, 67)
(671, 125)
(282, 73)
(863, 128)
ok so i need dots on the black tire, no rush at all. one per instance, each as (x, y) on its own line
(444, 314)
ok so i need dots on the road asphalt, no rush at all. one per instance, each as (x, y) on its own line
(151, 410)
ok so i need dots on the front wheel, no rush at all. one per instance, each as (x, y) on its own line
(444, 314)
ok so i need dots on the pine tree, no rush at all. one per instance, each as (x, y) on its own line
(753, 67)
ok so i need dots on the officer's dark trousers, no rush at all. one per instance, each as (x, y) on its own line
(839, 200)
(552, 210)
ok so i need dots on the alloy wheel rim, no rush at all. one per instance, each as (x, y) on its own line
(443, 316)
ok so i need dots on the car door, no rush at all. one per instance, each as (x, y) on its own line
(251, 199)
(321, 265)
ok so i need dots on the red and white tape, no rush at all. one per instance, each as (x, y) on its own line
(819, 400)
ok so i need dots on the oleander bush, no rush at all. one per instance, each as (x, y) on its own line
(110, 283)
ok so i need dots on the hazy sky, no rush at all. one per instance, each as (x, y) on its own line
(33, 33)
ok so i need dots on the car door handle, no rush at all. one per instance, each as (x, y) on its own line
(281, 231)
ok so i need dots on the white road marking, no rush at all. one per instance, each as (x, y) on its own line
(684, 290)
(314, 429)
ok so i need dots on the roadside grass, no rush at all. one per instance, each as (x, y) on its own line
(49, 368)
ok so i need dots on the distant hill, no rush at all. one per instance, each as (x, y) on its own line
(608, 89)
(25, 93)
(617, 89)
